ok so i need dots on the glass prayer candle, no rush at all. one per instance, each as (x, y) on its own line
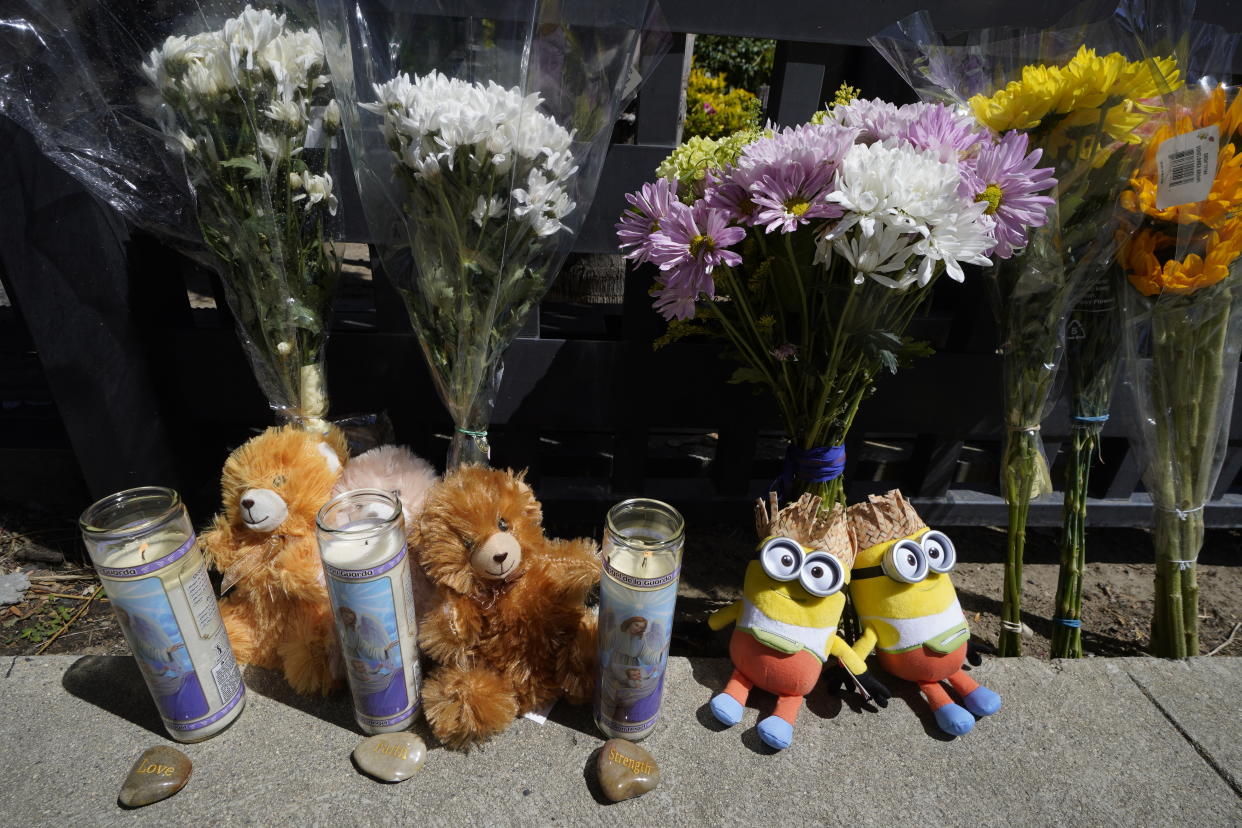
(143, 547)
(362, 543)
(642, 563)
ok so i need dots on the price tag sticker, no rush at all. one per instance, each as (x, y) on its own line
(1187, 167)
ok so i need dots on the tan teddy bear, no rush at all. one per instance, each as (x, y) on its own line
(511, 632)
(275, 604)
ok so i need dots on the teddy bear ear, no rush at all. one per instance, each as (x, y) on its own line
(329, 457)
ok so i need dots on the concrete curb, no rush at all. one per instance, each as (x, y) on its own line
(1100, 741)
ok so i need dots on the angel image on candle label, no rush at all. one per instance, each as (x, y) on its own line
(634, 656)
(366, 624)
(151, 628)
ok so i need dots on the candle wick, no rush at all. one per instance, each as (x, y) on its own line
(142, 550)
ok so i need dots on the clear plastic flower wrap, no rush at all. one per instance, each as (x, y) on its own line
(477, 132)
(1183, 319)
(1077, 97)
(206, 123)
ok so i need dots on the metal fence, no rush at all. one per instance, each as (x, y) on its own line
(136, 348)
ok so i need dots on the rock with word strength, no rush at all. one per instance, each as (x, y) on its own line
(625, 770)
(391, 757)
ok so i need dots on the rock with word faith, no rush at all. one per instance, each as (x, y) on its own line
(159, 773)
(625, 770)
(391, 757)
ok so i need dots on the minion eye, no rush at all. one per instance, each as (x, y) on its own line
(941, 556)
(906, 562)
(822, 574)
(781, 558)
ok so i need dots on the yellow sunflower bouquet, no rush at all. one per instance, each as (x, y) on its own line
(1183, 332)
(1081, 102)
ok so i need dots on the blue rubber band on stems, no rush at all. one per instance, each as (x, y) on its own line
(1069, 622)
(813, 465)
(1103, 418)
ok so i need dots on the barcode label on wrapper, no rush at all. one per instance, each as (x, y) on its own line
(1187, 167)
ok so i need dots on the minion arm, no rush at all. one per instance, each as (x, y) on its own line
(837, 647)
(865, 644)
(725, 616)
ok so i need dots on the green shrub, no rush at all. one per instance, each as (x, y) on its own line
(745, 61)
(715, 109)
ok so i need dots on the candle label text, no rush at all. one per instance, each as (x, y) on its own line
(365, 574)
(147, 568)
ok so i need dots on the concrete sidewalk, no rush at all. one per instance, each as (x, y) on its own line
(1095, 742)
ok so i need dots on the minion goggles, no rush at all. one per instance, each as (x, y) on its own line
(784, 559)
(910, 561)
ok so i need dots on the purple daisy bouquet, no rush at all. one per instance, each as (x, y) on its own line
(809, 249)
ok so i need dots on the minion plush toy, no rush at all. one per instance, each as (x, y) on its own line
(787, 619)
(909, 611)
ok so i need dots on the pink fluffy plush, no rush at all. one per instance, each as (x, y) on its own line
(398, 470)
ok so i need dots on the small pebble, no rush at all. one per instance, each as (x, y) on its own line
(626, 770)
(159, 773)
(391, 757)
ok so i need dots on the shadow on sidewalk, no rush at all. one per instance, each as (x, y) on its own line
(114, 684)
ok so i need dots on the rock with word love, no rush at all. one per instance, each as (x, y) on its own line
(159, 773)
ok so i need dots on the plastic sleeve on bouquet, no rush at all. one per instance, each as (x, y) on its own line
(208, 124)
(1082, 95)
(477, 133)
(1183, 319)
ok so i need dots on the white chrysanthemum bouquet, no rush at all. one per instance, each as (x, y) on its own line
(477, 146)
(250, 105)
(488, 177)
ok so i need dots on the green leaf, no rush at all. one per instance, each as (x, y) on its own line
(747, 374)
(253, 169)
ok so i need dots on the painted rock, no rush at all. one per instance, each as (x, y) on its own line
(391, 757)
(625, 770)
(158, 774)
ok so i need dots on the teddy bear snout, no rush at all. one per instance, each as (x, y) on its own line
(262, 509)
(497, 558)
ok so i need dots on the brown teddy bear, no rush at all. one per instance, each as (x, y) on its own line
(275, 604)
(511, 633)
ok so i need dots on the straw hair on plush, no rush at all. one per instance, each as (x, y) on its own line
(804, 521)
(883, 518)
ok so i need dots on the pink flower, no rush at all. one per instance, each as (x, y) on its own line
(785, 352)
(793, 197)
(794, 165)
(691, 243)
(1005, 176)
(648, 208)
(708, 108)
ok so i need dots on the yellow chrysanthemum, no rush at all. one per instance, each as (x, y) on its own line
(1142, 261)
(1079, 90)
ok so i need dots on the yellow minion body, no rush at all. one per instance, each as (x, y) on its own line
(883, 603)
(789, 602)
(784, 616)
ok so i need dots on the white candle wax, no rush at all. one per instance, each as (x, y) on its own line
(347, 552)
